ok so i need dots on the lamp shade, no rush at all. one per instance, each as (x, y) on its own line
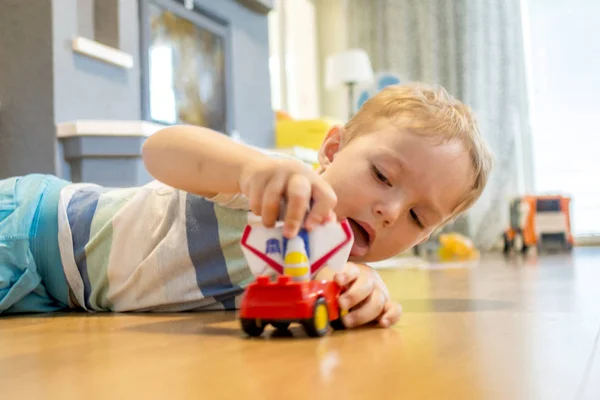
(351, 66)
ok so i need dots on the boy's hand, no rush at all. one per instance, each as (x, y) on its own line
(267, 182)
(366, 297)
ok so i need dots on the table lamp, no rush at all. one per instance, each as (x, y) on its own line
(350, 67)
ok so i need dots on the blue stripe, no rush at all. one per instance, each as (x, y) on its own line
(205, 251)
(44, 242)
(80, 212)
(228, 300)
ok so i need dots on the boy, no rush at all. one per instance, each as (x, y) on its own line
(411, 159)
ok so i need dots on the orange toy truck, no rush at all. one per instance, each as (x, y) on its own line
(543, 222)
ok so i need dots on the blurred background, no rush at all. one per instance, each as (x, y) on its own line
(84, 82)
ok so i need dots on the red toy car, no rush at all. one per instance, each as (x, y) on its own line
(314, 304)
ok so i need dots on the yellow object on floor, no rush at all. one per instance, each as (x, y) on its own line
(456, 247)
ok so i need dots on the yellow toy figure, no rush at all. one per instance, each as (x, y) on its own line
(296, 264)
(456, 247)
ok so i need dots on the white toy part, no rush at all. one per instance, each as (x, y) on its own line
(329, 244)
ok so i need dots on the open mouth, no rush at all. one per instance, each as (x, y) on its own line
(362, 239)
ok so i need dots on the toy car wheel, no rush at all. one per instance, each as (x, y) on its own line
(252, 327)
(508, 244)
(281, 325)
(338, 324)
(318, 325)
(519, 243)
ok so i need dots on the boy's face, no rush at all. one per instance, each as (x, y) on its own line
(395, 187)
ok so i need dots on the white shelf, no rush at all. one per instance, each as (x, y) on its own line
(102, 52)
(106, 128)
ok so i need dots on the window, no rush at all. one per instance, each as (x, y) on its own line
(293, 58)
(185, 66)
(564, 72)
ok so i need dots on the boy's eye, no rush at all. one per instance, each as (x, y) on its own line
(380, 176)
(415, 218)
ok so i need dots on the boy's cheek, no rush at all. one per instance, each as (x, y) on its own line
(389, 248)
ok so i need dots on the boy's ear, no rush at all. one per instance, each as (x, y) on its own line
(330, 146)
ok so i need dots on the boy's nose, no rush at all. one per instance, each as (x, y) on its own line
(388, 212)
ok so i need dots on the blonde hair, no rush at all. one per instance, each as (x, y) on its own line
(429, 111)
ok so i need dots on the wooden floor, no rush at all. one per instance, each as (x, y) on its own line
(509, 329)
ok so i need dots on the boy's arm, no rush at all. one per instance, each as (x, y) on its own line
(198, 160)
(204, 162)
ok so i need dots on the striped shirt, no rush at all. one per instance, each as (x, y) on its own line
(152, 248)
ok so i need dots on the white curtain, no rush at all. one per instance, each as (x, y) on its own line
(474, 48)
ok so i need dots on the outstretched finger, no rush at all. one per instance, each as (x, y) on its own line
(298, 197)
(324, 201)
(271, 201)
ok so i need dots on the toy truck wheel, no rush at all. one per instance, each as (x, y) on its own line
(519, 243)
(252, 327)
(508, 244)
(338, 324)
(318, 325)
(281, 325)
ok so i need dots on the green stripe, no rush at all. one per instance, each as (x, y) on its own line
(231, 226)
(99, 247)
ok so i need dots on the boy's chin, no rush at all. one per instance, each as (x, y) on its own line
(361, 258)
(370, 258)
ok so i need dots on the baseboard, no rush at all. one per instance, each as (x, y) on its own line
(588, 240)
